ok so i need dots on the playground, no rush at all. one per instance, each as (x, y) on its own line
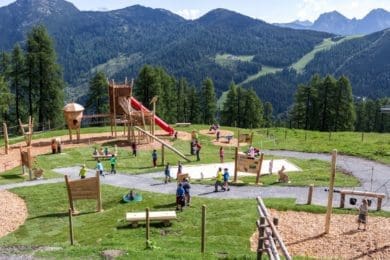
(105, 221)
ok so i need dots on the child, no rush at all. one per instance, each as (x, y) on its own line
(131, 195)
(179, 168)
(83, 172)
(134, 148)
(53, 146)
(363, 212)
(218, 180)
(187, 187)
(180, 197)
(226, 179)
(167, 173)
(105, 151)
(113, 164)
(154, 158)
(218, 136)
(221, 154)
(99, 168)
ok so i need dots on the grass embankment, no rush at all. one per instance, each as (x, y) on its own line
(230, 223)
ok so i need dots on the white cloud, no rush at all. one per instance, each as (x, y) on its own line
(189, 14)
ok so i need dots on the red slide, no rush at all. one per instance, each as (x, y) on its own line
(137, 105)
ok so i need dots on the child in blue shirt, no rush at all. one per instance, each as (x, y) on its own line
(226, 179)
(180, 197)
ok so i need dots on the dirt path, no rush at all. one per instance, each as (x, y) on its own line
(303, 235)
(13, 212)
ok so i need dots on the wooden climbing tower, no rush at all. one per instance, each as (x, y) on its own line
(29, 132)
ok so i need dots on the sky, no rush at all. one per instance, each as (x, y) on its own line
(271, 11)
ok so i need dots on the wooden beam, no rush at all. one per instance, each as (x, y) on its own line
(330, 194)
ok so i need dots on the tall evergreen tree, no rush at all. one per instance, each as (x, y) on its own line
(17, 80)
(344, 110)
(326, 93)
(5, 99)
(182, 100)
(166, 92)
(146, 85)
(268, 114)
(229, 114)
(252, 116)
(195, 111)
(45, 84)
(98, 94)
(209, 101)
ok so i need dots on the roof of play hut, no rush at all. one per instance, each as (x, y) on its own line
(73, 107)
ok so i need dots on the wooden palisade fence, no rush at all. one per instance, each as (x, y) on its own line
(269, 237)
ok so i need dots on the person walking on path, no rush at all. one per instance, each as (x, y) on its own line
(363, 212)
(99, 168)
(113, 164)
(221, 154)
(218, 180)
(198, 147)
(180, 197)
(187, 187)
(83, 172)
(226, 177)
(134, 148)
(154, 158)
(167, 173)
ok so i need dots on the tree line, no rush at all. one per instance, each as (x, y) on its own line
(327, 104)
(31, 81)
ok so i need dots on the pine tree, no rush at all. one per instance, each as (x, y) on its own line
(166, 108)
(268, 114)
(325, 93)
(252, 116)
(17, 80)
(195, 111)
(98, 94)
(45, 84)
(209, 101)
(146, 85)
(5, 99)
(229, 114)
(182, 100)
(344, 110)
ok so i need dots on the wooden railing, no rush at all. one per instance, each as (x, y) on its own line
(269, 238)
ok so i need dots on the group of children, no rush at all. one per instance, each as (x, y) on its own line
(222, 180)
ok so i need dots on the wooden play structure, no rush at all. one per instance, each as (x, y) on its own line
(29, 132)
(378, 196)
(164, 216)
(243, 163)
(73, 114)
(88, 188)
(269, 239)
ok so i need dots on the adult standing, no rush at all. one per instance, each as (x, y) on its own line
(221, 154)
(198, 147)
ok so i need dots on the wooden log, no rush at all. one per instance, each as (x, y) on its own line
(342, 200)
(260, 243)
(330, 194)
(235, 164)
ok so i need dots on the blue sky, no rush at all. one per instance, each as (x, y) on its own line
(267, 10)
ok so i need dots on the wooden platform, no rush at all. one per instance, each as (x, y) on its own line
(182, 124)
(164, 216)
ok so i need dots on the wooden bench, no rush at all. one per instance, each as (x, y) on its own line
(183, 124)
(102, 156)
(164, 216)
(379, 196)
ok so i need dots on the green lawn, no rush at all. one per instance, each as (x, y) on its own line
(229, 222)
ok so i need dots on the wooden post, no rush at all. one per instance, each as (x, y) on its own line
(260, 243)
(342, 200)
(330, 135)
(71, 227)
(99, 200)
(162, 154)
(70, 134)
(379, 204)
(114, 104)
(330, 194)
(6, 142)
(69, 194)
(147, 227)
(362, 136)
(30, 162)
(285, 134)
(235, 164)
(251, 139)
(259, 170)
(310, 194)
(305, 136)
(203, 231)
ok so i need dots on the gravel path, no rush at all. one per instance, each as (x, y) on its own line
(372, 175)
